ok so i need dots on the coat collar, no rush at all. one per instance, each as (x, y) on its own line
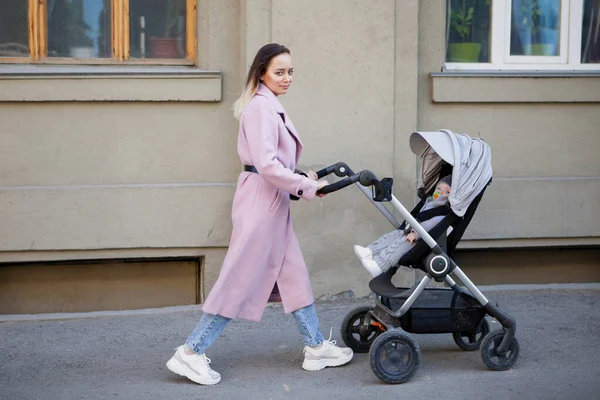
(266, 92)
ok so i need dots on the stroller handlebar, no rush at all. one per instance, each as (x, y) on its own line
(341, 169)
(334, 187)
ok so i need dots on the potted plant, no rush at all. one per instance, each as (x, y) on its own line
(461, 22)
(167, 45)
(530, 18)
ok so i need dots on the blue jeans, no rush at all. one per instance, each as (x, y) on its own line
(211, 326)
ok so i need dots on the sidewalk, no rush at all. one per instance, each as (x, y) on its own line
(123, 357)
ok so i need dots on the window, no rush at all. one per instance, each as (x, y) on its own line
(468, 31)
(523, 35)
(98, 31)
(590, 37)
(13, 30)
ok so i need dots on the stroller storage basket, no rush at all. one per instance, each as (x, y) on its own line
(440, 311)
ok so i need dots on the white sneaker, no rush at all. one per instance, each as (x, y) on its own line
(372, 267)
(328, 355)
(366, 258)
(363, 252)
(194, 367)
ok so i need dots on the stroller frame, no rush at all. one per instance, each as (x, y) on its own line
(381, 327)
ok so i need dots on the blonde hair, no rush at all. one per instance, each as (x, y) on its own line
(242, 101)
(257, 70)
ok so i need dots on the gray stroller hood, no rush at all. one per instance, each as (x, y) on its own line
(471, 161)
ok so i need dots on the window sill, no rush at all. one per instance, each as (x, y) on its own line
(516, 87)
(37, 83)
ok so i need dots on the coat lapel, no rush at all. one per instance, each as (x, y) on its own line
(265, 91)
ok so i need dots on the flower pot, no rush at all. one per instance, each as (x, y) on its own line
(163, 47)
(464, 52)
(539, 49)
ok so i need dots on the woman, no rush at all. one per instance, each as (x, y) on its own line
(263, 250)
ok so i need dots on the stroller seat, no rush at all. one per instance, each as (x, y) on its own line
(415, 257)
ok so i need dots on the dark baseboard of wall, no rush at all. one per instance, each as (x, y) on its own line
(98, 285)
(530, 266)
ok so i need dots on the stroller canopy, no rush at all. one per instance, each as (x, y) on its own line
(471, 161)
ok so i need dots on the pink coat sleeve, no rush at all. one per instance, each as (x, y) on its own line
(261, 127)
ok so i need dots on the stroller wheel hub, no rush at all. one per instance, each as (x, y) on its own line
(437, 266)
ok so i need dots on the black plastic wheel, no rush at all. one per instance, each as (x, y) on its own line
(395, 356)
(471, 340)
(490, 356)
(355, 334)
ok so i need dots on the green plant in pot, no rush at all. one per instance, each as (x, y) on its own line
(530, 17)
(461, 22)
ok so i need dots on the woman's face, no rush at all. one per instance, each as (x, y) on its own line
(278, 77)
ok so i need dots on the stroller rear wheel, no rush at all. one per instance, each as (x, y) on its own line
(489, 353)
(395, 356)
(471, 340)
(358, 336)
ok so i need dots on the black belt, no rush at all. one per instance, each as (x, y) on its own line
(250, 168)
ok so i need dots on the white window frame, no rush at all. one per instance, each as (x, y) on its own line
(569, 58)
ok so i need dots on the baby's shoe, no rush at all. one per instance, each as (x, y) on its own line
(363, 252)
(366, 258)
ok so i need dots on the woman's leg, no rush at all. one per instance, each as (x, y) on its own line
(318, 353)
(206, 333)
(189, 360)
(308, 325)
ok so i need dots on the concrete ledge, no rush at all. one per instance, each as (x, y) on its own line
(450, 88)
(44, 84)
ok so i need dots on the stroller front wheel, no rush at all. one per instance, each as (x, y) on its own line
(358, 336)
(490, 356)
(471, 340)
(395, 356)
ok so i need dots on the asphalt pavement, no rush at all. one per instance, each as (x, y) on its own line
(123, 355)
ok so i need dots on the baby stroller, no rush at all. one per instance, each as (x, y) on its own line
(384, 329)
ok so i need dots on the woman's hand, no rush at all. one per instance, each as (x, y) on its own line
(320, 185)
(312, 175)
(411, 237)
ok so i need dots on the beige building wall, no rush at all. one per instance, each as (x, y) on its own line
(134, 165)
(145, 166)
(353, 101)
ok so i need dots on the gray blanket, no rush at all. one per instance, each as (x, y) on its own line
(389, 249)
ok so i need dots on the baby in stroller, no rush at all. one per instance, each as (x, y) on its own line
(386, 251)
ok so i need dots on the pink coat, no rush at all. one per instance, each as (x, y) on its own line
(264, 249)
